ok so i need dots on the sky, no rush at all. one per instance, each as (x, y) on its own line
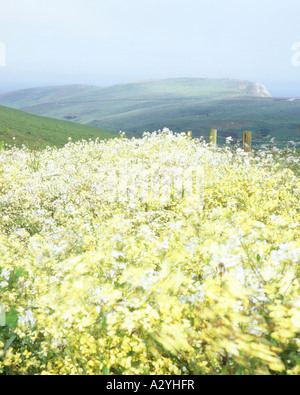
(106, 42)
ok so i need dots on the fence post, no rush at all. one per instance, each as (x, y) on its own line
(247, 137)
(213, 133)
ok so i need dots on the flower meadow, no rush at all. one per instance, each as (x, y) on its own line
(160, 255)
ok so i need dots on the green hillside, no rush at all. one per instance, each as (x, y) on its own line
(18, 128)
(181, 104)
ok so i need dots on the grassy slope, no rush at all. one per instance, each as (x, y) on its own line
(180, 104)
(38, 132)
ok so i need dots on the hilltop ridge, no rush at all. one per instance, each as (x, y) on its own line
(204, 88)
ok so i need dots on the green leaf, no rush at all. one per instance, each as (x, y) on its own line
(105, 371)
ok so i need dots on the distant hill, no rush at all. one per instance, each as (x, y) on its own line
(18, 128)
(181, 104)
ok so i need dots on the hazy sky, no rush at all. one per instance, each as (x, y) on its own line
(104, 42)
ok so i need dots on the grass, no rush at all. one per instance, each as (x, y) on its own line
(18, 128)
(183, 104)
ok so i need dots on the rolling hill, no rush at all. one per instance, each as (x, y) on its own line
(196, 104)
(18, 128)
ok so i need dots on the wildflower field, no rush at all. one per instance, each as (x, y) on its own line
(159, 255)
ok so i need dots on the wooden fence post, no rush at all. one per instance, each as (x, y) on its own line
(247, 137)
(213, 133)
